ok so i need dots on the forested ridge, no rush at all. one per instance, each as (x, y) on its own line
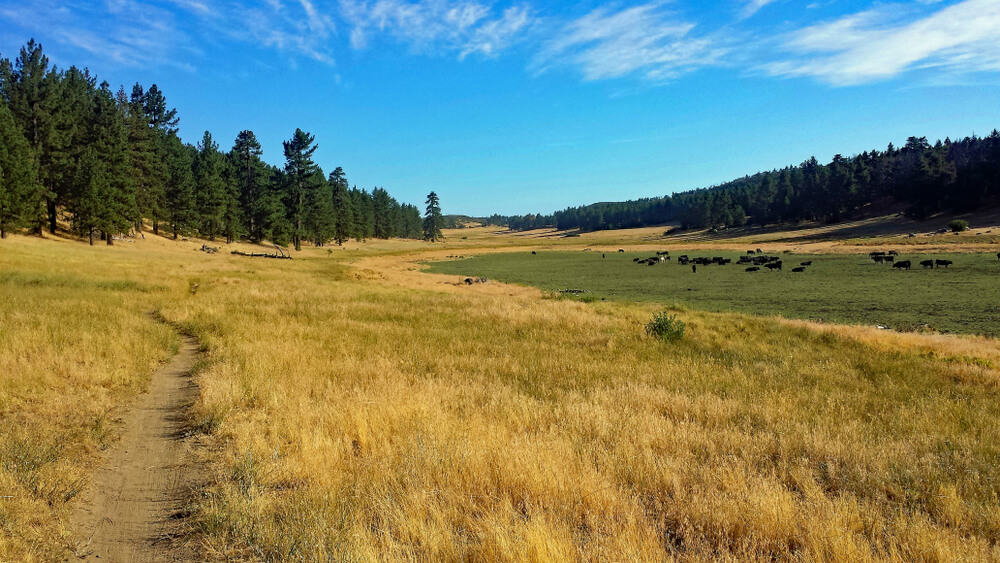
(110, 162)
(923, 178)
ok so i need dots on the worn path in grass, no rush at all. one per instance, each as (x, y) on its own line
(129, 513)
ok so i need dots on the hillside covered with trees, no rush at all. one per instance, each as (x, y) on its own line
(946, 176)
(109, 162)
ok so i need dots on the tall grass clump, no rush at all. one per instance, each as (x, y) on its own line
(666, 327)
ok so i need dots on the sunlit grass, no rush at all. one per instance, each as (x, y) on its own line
(357, 408)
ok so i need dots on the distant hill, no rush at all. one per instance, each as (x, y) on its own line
(920, 178)
(463, 221)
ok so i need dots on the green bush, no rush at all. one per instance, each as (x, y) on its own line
(958, 225)
(666, 327)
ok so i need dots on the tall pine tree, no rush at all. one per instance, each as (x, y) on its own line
(18, 175)
(300, 176)
(433, 220)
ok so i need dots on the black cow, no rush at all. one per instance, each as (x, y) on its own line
(799, 269)
(533, 252)
(752, 269)
(621, 250)
(694, 268)
(806, 263)
(889, 259)
(773, 265)
(944, 263)
(902, 265)
(927, 263)
(636, 259)
(893, 253)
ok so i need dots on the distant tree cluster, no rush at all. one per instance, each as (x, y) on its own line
(948, 175)
(111, 161)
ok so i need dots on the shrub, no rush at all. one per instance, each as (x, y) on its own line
(958, 225)
(666, 327)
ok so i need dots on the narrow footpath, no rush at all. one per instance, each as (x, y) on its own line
(129, 513)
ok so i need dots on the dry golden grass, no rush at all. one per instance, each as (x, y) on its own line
(360, 409)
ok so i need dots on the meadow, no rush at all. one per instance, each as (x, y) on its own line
(836, 288)
(354, 408)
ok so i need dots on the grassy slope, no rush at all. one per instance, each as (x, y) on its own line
(374, 414)
(836, 288)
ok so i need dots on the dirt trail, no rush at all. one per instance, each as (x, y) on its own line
(128, 515)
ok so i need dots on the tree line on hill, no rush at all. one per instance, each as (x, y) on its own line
(946, 176)
(110, 162)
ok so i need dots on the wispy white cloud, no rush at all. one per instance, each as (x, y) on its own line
(751, 7)
(123, 32)
(462, 26)
(646, 40)
(889, 40)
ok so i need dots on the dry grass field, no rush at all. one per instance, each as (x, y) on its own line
(355, 408)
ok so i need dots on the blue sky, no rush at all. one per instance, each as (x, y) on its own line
(532, 106)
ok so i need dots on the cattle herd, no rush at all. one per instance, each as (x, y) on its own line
(890, 258)
(757, 261)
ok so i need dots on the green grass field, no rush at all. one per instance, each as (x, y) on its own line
(964, 298)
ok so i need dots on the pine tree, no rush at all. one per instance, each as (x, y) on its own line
(181, 211)
(275, 225)
(382, 213)
(300, 174)
(210, 188)
(432, 218)
(145, 160)
(250, 176)
(30, 88)
(154, 105)
(18, 175)
(109, 141)
(364, 214)
(342, 208)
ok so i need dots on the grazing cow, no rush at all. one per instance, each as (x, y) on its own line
(799, 269)
(927, 263)
(773, 266)
(759, 251)
(603, 255)
(694, 268)
(893, 253)
(533, 252)
(945, 263)
(636, 259)
(806, 263)
(902, 265)
(750, 251)
(469, 281)
(889, 259)
(752, 269)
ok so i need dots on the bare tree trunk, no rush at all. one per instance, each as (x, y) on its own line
(91, 233)
(51, 205)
